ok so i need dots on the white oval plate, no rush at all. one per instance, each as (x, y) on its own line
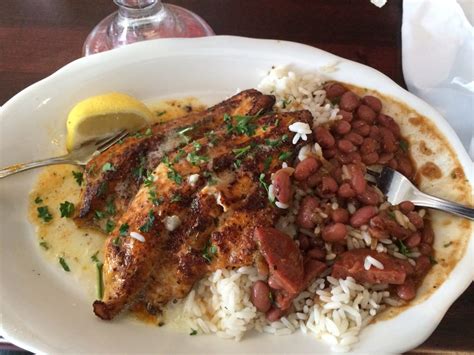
(44, 310)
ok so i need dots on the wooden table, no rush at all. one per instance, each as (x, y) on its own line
(39, 37)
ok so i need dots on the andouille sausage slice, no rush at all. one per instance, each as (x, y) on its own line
(283, 257)
(351, 263)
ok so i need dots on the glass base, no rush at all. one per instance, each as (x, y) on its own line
(170, 21)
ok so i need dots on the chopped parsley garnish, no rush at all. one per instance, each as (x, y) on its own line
(99, 214)
(284, 156)
(38, 200)
(160, 113)
(153, 197)
(44, 214)
(78, 176)
(237, 163)
(261, 178)
(433, 260)
(139, 171)
(270, 297)
(391, 215)
(209, 251)
(241, 151)
(447, 244)
(197, 146)
(176, 198)
(116, 241)
(100, 280)
(196, 159)
(108, 167)
(402, 248)
(64, 264)
(149, 179)
(181, 153)
(123, 230)
(172, 173)
(211, 180)
(285, 103)
(182, 133)
(266, 163)
(243, 125)
(67, 209)
(277, 142)
(193, 332)
(149, 223)
(110, 207)
(44, 245)
(148, 132)
(102, 188)
(109, 226)
(404, 145)
(212, 137)
(94, 257)
(264, 127)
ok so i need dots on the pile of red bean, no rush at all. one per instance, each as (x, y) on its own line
(363, 137)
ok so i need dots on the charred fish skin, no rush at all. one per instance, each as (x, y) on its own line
(147, 270)
(113, 178)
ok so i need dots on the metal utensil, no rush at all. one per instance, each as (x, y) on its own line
(398, 188)
(80, 156)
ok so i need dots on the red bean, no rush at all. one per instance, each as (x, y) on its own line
(334, 90)
(370, 158)
(428, 234)
(369, 145)
(346, 146)
(362, 216)
(355, 138)
(340, 215)
(385, 158)
(306, 213)
(349, 101)
(317, 253)
(362, 129)
(282, 186)
(313, 180)
(329, 153)
(355, 157)
(328, 185)
(336, 173)
(324, 137)
(406, 206)
(306, 168)
(345, 158)
(342, 127)
(425, 249)
(346, 191)
(414, 240)
(366, 114)
(273, 283)
(393, 164)
(406, 291)
(274, 314)
(346, 115)
(375, 133)
(358, 182)
(338, 249)
(389, 123)
(405, 166)
(423, 265)
(304, 241)
(369, 197)
(415, 219)
(334, 232)
(389, 143)
(260, 296)
(373, 102)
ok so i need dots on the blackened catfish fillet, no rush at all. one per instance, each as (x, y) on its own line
(107, 191)
(194, 226)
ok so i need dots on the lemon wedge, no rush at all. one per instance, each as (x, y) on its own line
(103, 115)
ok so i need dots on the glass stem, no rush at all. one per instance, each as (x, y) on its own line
(133, 9)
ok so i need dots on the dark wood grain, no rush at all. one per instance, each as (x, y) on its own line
(39, 37)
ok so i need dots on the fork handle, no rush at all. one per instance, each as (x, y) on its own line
(16, 168)
(424, 200)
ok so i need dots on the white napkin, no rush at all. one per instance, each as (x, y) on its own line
(438, 59)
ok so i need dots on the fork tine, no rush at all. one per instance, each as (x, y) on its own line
(373, 173)
(107, 139)
(370, 178)
(111, 141)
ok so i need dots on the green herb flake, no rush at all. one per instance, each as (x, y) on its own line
(44, 245)
(212, 137)
(148, 132)
(99, 214)
(108, 167)
(237, 163)
(391, 215)
(267, 163)
(116, 241)
(242, 126)
(270, 297)
(109, 226)
(94, 257)
(160, 113)
(146, 227)
(277, 142)
(209, 252)
(176, 198)
(182, 133)
(433, 260)
(64, 264)
(172, 173)
(181, 153)
(153, 197)
(38, 200)
(149, 179)
(285, 103)
(447, 244)
(66, 208)
(102, 188)
(78, 176)
(241, 151)
(123, 230)
(139, 171)
(193, 332)
(44, 214)
(196, 159)
(110, 208)
(100, 281)
(404, 145)
(211, 179)
(284, 156)
(402, 248)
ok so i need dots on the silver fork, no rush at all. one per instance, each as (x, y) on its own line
(80, 156)
(398, 188)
